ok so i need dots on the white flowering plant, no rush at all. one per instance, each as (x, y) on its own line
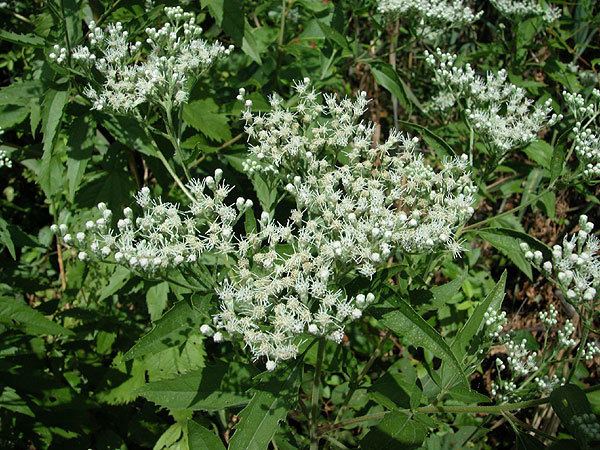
(265, 225)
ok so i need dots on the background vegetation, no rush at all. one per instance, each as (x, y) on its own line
(94, 355)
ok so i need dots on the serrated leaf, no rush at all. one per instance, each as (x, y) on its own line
(265, 193)
(17, 314)
(130, 133)
(50, 174)
(81, 145)
(208, 389)
(20, 93)
(30, 40)
(171, 330)
(463, 340)
(6, 239)
(229, 16)
(396, 430)
(169, 437)
(540, 152)
(259, 420)
(201, 438)
(508, 246)
(204, 116)
(557, 162)
(176, 360)
(157, 297)
(394, 390)
(9, 399)
(121, 386)
(117, 280)
(406, 323)
(386, 76)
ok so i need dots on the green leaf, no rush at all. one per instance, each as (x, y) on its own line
(467, 395)
(567, 402)
(209, 389)
(335, 37)
(199, 438)
(540, 152)
(52, 112)
(548, 200)
(17, 314)
(30, 40)
(6, 239)
(527, 442)
(9, 399)
(259, 421)
(51, 170)
(406, 323)
(129, 132)
(557, 162)
(265, 193)
(171, 330)
(396, 430)
(156, 299)
(508, 245)
(394, 390)
(204, 116)
(229, 16)
(464, 339)
(117, 280)
(169, 438)
(440, 146)
(386, 76)
(20, 93)
(81, 145)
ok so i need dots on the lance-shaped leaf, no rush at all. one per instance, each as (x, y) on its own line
(17, 314)
(270, 404)
(212, 388)
(405, 322)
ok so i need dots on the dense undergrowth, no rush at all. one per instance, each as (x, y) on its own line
(299, 224)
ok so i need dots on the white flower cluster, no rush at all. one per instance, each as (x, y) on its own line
(586, 130)
(431, 17)
(348, 217)
(564, 336)
(497, 110)
(164, 235)
(494, 322)
(383, 197)
(592, 349)
(520, 9)
(161, 75)
(588, 425)
(5, 160)
(522, 361)
(530, 372)
(575, 265)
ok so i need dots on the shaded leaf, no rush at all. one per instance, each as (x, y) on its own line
(17, 314)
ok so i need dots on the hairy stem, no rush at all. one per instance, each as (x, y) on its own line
(174, 175)
(316, 397)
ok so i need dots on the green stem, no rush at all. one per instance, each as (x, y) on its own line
(282, 24)
(175, 139)
(67, 38)
(452, 409)
(586, 332)
(316, 396)
(356, 383)
(510, 211)
(174, 176)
